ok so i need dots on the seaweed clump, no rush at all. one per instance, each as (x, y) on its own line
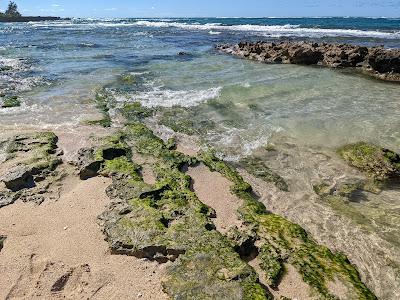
(282, 242)
(378, 163)
(166, 221)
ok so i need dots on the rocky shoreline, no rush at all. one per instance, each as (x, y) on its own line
(379, 62)
(155, 215)
(6, 19)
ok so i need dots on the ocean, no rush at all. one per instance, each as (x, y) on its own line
(56, 66)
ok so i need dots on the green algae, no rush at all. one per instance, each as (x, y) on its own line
(135, 111)
(127, 78)
(259, 169)
(12, 101)
(104, 102)
(166, 221)
(282, 241)
(183, 120)
(379, 163)
(41, 149)
(178, 120)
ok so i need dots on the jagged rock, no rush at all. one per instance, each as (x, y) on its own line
(2, 239)
(166, 220)
(379, 62)
(28, 165)
(88, 165)
(18, 179)
(7, 198)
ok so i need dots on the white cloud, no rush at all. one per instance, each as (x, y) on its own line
(110, 9)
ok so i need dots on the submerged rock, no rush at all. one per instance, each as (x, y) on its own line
(280, 242)
(11, 102)
(379, 163)
(379, 62)
(259, 169)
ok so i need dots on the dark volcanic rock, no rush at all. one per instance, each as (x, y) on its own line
(88, 166)
(2, 239)
(379, 62)
(18, 179)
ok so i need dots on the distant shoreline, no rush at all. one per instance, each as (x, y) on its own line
(30, 19)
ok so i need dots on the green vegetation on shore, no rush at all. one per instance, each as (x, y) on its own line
(11, 12)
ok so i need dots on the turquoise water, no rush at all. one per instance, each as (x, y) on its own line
(57, 66)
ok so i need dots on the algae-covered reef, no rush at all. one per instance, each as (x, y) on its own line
(28, 166)
(166, 221)
(281, 242)
(379, 163)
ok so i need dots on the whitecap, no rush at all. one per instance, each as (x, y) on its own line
(214, 32)
(274, 30)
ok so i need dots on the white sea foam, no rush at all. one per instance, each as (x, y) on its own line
(274, 30)
(214, 32)
(170, 98)
(216, 28)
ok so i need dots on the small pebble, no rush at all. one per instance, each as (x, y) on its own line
(66, 227)
(139, 295)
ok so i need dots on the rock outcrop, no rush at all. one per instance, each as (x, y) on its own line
(28, 165)
(377, 61)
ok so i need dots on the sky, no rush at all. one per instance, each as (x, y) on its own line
(207, 8)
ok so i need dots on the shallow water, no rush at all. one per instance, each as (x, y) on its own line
(64, 62)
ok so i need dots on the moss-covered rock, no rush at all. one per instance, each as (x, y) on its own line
(378, 163)
(281, 241)
(259, 169)
(12, 101)
(30, 163)
(104, 101)
(166, 221)
(184, 120)
(135, 111)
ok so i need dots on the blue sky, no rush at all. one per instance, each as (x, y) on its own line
(210, 8)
